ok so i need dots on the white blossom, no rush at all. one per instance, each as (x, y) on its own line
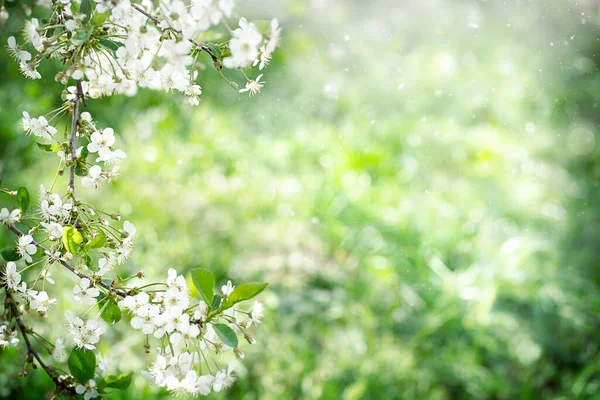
(59, 352)
(253, 86)
(85, 294)
(26, 247)
(42, 302)
(8, 337)
(10, 218)
(88, 390)
(12, 277)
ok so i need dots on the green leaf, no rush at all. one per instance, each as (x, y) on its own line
(39, 253)
(49, 147)
(226, 334)
(98, 240)
(23, 199)
(86, 8)
(99, 18)
(81, 169)
(71, 238)
(110, 45)
(120, 382)
(111, 312)
(10, 254)
(80, 37)
(216, 302)
(204, 281)
(245, 291)
(215, 49)
(82, 364)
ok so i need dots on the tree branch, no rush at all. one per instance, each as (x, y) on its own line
(110, 288)
(55, 378)
(74, 121)
(192, 41)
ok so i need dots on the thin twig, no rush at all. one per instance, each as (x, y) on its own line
(110, 288)
(23, 330)
(192, 41)
(15, 311)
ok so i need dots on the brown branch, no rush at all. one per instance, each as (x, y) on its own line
(110, 288)
(156, 21)
(74, 121)
(53, 375)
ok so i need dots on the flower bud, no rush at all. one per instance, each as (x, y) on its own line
(234, 85)
(3, 15)
(239, 354)
(249, 338)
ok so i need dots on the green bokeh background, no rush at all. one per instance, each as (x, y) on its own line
(418, 181)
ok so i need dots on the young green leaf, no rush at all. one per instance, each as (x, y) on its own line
(97, 241)
(245, 291)
(82, 364)
(111, 312)
(39, 253)
(10, 254)
(49, 147)
(120, 382)
(204, 281)
(99, 18)
(71, 238)
(226, 334)
(23, 199)
(80, 36)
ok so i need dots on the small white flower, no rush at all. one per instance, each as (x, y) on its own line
(94, 178)
(88, 391)
(59, 353)
(224, 378)
(29, 70)
(17, 51)
(256, 314)
(12, 277)
(101, 141)
(53, 230)
(42, 302)
(253, 86)
(10, 218)
(145, 318)
(25, 247)
(84, 293)
(227, 289)
(264, 58)
(8, 337)
(174, 297)
(102, 364)
(205, 383)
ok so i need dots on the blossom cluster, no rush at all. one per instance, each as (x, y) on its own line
(116, 47)
(168, 314)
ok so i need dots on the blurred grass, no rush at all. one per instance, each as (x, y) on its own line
(418, 182)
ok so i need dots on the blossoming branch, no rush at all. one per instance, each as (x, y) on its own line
(109, 48)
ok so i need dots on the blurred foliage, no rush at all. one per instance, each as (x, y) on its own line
(419, 183)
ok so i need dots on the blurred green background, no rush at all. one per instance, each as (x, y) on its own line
(418, 181)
